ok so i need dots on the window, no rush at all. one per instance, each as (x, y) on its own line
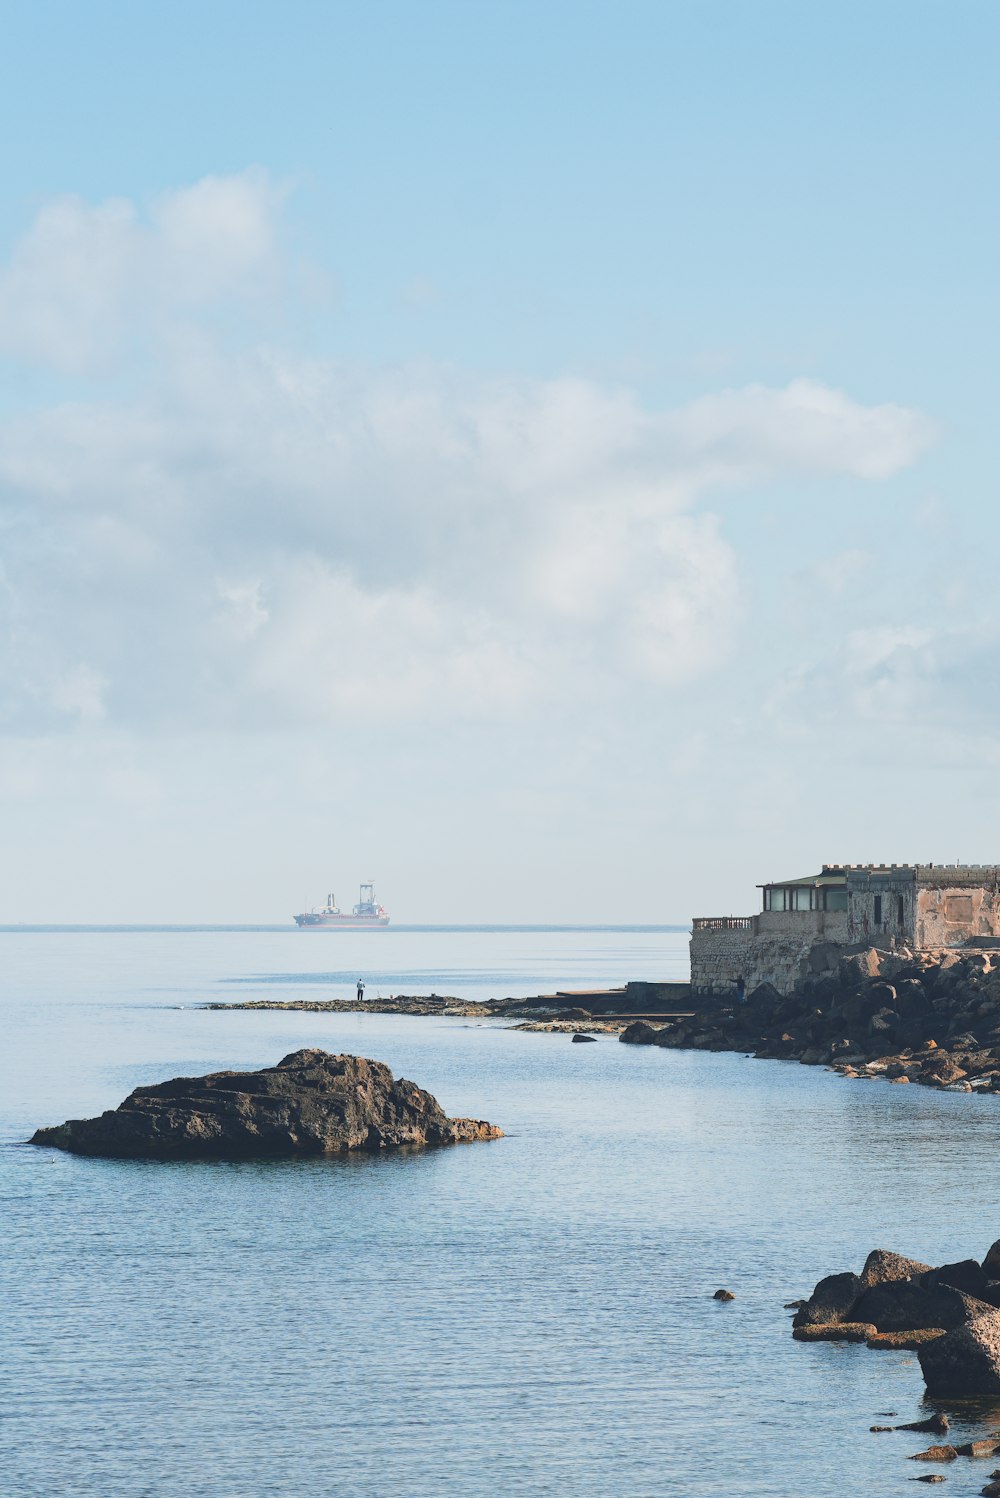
(836, 899)
(878, 910)
(900, 909)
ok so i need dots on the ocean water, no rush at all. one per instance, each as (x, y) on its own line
(529, 1316)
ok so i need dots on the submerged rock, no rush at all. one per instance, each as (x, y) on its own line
(909, 1342)
(935, 1454)
(311, 1103)
(933, 1425)
(840, 1331)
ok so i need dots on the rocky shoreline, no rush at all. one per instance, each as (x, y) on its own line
(931, 1018)
(949, 1315)
(419, 1004)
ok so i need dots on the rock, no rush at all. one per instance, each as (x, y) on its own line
(882, 1266)
(935, 1425)
(723, 1295)
(878, 1429)
(935, 1454)
(793, 1305)
(991, 1490)
(638, 1033)
(927, 1477)
(888, 1341)
(943, 1071)
(831, 1301)
(764, 996)
(580, 1039)
(908, 1305)
(965, 1364)
(311, 1103)
(855, 967)
(980, 1448)
(991, 1263)
(966, 1276)
(840, 1331)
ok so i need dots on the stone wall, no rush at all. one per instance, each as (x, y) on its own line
(949, 915)
(719, 957)
(882, 908)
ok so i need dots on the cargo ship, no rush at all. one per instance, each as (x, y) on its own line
(367, 915)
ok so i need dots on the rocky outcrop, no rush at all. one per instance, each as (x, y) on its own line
(311, 1103)
(929, 1017)
(955, 1334)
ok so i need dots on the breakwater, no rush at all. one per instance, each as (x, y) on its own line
(665, 999)
(929, 1017)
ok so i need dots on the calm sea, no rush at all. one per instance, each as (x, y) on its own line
(532, 1316)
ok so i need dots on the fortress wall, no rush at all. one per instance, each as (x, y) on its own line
(718, 958)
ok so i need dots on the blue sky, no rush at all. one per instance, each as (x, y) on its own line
(496, 446)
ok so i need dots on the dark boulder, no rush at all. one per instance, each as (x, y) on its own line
(991, 1263)
(831, 1301)
(882, 1266)
(966, 1276)
(907, 1305)
(311, 1103)
(638, 1033)
(580, 1039)
(965, 1364)
(911, 997)
(879, 996)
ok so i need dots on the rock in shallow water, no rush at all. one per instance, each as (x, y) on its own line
(311, 1103)
(965, 1364)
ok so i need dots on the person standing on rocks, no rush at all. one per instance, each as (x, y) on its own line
(361, 990)
(741, 989)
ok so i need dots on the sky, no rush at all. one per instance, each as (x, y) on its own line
(538, 456)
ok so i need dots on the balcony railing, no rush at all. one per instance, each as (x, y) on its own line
(723, 923)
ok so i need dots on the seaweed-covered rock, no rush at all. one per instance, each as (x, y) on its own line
(311, 1103)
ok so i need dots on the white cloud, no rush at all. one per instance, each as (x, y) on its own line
(85, 278)
(252, 536)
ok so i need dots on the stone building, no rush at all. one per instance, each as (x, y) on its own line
(807, 924)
